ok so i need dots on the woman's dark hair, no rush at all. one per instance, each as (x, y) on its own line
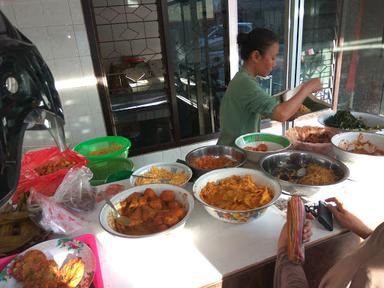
(258, 39)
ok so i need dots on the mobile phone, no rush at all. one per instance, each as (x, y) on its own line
(325, 216)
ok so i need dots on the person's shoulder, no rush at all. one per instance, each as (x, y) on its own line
(243, 80)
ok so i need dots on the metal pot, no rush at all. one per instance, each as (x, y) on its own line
(232, 153)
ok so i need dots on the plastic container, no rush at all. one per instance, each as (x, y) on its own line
(102, 169)
(88, 147)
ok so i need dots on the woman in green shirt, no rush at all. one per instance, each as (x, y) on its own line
(245, 101)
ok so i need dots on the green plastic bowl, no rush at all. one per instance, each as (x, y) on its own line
(275, 143)
(103, 169)
(86, 147)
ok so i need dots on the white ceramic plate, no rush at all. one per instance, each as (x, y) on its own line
(59, 250)
(369, 120)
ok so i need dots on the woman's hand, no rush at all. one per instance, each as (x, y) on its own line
(307, 232)
(347, 220)
(312, 85)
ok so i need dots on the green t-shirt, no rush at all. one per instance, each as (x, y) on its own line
(242, 106)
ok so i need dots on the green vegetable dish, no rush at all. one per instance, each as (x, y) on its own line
(345, 120)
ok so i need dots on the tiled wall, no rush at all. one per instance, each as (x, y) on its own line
(57, 28)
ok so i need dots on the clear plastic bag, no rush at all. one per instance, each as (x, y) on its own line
(52, 216)
(75, 192)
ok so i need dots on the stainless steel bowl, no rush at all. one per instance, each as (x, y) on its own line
(294, 160)
(215, 150)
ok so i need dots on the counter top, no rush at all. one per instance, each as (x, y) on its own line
(207, 249)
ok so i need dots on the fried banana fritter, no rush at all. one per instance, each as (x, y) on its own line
(34, 270)
(72, 272)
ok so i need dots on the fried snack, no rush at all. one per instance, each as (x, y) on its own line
(318, 175)
(72, 272)
(211, 162)
(261, 148)
(236, 193)
(54, 166)
(159, 174)
(106, 150)
(33, 269)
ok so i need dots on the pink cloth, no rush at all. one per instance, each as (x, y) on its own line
(90, 240)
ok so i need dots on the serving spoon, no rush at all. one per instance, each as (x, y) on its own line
(123, 220)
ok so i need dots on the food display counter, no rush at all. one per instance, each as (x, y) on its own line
(207, 250)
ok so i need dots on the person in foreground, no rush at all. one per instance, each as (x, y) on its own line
(361, 268)
(244, 101)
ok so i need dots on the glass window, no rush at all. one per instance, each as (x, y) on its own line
(197, 42)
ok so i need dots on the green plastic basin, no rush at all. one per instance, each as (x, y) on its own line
(87, 147)
(103, 169)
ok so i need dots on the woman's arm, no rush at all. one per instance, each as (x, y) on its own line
(347, 219)
(287, 109)
(288, 274)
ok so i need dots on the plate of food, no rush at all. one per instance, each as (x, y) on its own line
(352, 121)
(54, 263)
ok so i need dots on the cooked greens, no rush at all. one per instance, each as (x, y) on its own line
(345, 120)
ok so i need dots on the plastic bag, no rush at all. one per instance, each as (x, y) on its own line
(75, 192)
(52, 216)
(35, 163)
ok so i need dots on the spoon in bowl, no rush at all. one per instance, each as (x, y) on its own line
(125, 174)
(123, 220)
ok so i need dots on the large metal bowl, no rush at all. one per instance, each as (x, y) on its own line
(216, 151)
(233, 216)
(362, 166)
(294, 160)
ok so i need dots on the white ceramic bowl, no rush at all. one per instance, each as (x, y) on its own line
(182, 195)
(275, 143)
(232, 216)
(172, 167)
(361, 166)
(370, 120)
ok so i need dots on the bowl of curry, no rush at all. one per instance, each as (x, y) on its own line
(236, 195)
(152, 209)
(211, 157)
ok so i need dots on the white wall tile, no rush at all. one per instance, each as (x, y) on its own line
(56, 12)
(152, 29)
(100, 127)
(105, 33)
(63, 41)
(171, 155)
(7, 9)
(123, 47)
(87, 66)
(115, 2)
(138, 46)
(153, 158)
(123, 32)
(81, 40)
(139, 30)
(138, 161)
(97, 3)
(29, 14)
(154, 44)
(68, 68)
(76, 11)
(39, 36)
